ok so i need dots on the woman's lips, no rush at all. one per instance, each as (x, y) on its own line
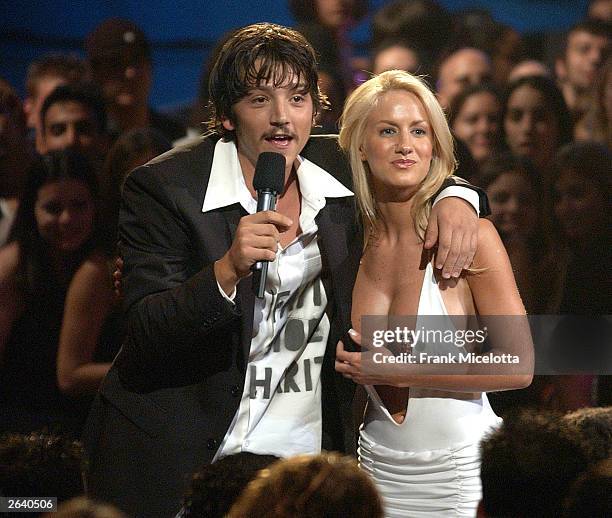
(403, 163)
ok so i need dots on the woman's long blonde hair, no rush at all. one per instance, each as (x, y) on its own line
(353, 123)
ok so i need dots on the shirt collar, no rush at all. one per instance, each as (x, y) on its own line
(226, 185)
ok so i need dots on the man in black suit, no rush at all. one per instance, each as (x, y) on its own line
(207, 370)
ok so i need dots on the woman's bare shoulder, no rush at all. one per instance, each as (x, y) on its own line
(490, 249)
(94, 269)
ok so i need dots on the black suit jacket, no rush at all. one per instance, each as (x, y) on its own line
(172, 392)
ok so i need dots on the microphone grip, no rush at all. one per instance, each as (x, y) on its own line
(266, 200)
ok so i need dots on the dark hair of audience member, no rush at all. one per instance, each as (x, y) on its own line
(553, 98)
(86, 94)
(257, 54)
(83, 507)
(321, 486)
(215, 487)
(424, 23)
(14, 155)
(591, 493)
(588, 163)
(130, 150)
(41, 464)
(305, 11)
(34, 255)
(528, 465)
(67, 66)
(593, 428)
(10, 102)
(477, 28)
(593, 26)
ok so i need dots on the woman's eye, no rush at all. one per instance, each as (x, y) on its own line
(387, 131)
(419, 131)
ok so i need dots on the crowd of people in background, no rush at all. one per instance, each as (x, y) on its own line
(533, 130)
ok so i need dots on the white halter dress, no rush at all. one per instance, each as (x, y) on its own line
(429, 465)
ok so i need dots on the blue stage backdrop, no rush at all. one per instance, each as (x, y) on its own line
(182, 32)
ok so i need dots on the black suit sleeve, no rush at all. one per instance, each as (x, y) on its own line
(175, 311)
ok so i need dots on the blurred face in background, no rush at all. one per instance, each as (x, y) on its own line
(584, 56)
(125, 81)
(64, 214)
(513, 206)
(396, 57)
(580, 207)
(465, 67)
(334, 13)
(531, 126)
(477, 124)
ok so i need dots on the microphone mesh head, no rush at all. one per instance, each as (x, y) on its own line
(269, 172)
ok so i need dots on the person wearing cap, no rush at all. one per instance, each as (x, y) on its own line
(120, 58)
(207, 369)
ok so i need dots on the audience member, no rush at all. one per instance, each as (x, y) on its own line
(515, 196)
(41, 464)
(583, 53)
(474, 117)
(593, 428)
(43, 76)
(600, 10)
(120, 58)
(56, 295)
(424, 24)
(536, 121)
(529, 67)
(528, 465)
(582, 191)
(132, 149)
(477, 28)
(396, 54)
(596, 125)
(330, 84)
(73, 116)
(321, 486)
(215, 488)
(463, 67)
(14, 156)
(325, 24)
(83, 507)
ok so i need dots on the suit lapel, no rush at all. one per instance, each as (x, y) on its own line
(244, 290)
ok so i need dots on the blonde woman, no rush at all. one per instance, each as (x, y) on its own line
(423, 423)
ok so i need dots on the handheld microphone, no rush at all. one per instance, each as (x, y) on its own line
(268, 181)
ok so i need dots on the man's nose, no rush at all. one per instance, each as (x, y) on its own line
(65, 216)
(278, 116)
(130, 72)
(70, 137)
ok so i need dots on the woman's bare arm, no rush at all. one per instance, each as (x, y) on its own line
(88, 302)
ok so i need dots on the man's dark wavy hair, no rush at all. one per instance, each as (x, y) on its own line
(256, 54)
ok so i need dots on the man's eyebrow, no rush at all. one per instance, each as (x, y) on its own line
(300, 87)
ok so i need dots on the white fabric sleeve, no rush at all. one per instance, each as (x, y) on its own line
(465, 193)
(230, 298)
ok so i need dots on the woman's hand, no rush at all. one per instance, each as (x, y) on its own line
(362, 367)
